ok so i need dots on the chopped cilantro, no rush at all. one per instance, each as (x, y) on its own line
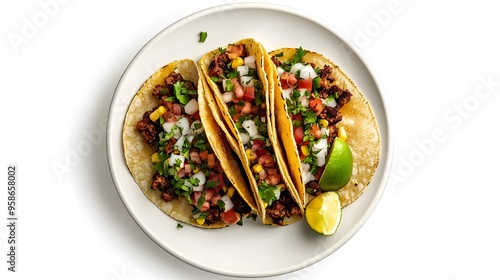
(182, 93)
(201, 200)
(203, 36)
(212, 184)
(232, 110)
(267, 193)
(179, 225)
(221, 204)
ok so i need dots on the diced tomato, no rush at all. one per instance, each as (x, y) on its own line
(196, 115)
(217, 177)
(266, 160)
(273, 180)
(316, 105)
(169, 117)
(258, 147)
(260, 151)
(195, 197)
(230, 217)
(215, 199)
(288, 80)
(257, 143)
(209, 193)
(176, 109)
(235, 50)
(204, 155)
(211, 160)
(247, 108)
(306, 83)
(238, 89)
(298, 134)
(315, 131)
(249, 93)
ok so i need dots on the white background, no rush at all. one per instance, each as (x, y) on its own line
(438, 64)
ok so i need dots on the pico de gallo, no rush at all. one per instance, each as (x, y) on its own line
(185, 163)
(235, 73)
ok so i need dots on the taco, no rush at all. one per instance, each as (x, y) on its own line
(315, 103)
(235, 76)
(175, 151)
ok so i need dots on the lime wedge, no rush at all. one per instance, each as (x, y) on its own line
(323, 213)
(338, 169)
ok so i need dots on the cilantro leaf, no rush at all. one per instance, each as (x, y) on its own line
(268, 193)
(203, 36)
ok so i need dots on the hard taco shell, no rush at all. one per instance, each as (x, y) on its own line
(358, 120)
(138, 153)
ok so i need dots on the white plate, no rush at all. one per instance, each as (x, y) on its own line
(252, 250)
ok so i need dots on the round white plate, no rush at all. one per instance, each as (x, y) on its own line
(252, 250)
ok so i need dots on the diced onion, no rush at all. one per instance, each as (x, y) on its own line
(247, 81)
(325, 131)
(173, 159)
(330, 102)
(198, 188)
(307, 176)
(280, 71)
(277, 193)
(251, 65)
(287, 92)
(201, 177)
(228, 203)
(321, 148)
(178, 144)
(244, 138)
(296, 67)
(167, 127)
(243, 70)
(249, 59)
(305, 166)
(183, 124)
(250, 127)
(307, 72)
(304, 100)
(227, 96)
(224, 84)
(198, 130)
(191, 107)
(258, 137)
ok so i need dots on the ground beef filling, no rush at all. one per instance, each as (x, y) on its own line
(162, 184)
(284, 207)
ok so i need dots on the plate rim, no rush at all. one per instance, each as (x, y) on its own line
(284, 9)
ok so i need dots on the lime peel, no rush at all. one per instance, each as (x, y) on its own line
(324, 213)
(338, 169)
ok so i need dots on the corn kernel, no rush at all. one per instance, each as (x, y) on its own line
(230, 191)
(224, 189)
(342, 133)
(237, 62)
(323, 123)
(281, 186)
(257, 168)
(161, 110)
(200, 221)
(156, 114)
(154, 157)
(251, 155)
(305, 150)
